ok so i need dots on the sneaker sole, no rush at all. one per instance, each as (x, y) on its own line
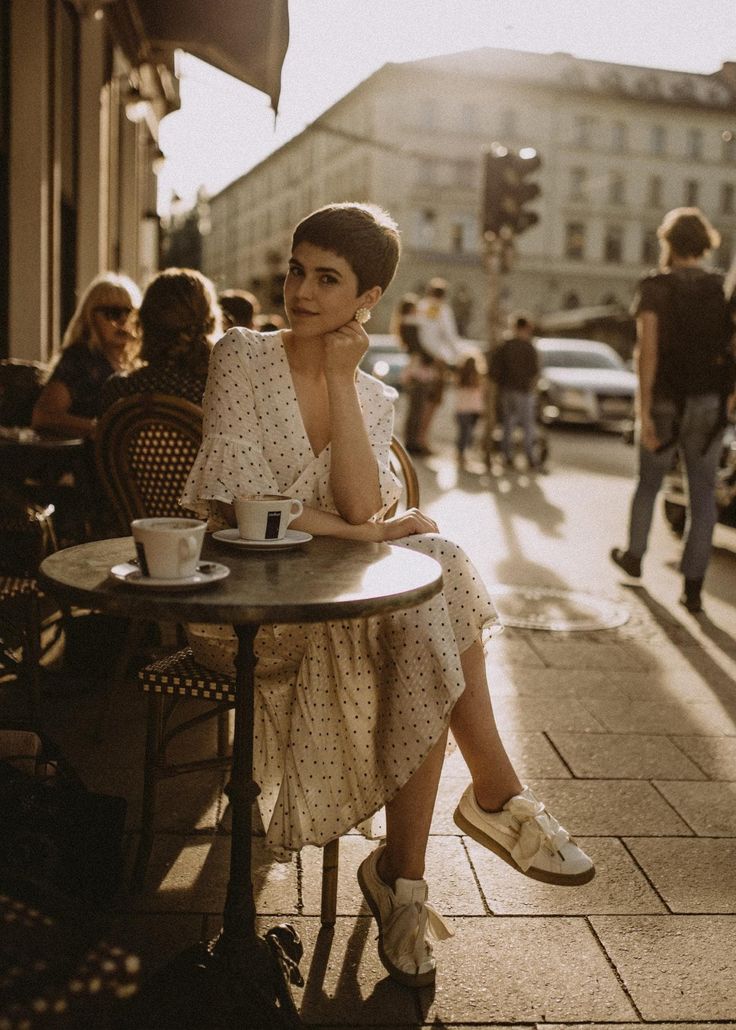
(532, 872)
(406, 979)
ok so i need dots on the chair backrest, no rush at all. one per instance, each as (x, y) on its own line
(403, 467)
(21, 383)
(145, 446)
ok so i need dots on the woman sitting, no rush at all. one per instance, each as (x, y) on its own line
(179, 321)
(353, 715)
(101, 339)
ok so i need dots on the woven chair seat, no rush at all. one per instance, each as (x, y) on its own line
(179, 675)
(18, 586)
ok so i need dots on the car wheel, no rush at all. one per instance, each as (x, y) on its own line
(676, 516)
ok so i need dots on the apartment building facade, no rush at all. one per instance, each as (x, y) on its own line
(620, 146)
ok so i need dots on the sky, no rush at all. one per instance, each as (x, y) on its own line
(224, 127)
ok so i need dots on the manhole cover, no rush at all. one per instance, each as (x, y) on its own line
(556, 610)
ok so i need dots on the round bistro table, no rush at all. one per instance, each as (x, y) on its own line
(242, 976)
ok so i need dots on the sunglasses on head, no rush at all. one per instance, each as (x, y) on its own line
(114, 313)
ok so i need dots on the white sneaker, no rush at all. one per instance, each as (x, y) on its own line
(405, 921)
(526, 836)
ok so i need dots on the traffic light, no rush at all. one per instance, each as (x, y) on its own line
(506, 190)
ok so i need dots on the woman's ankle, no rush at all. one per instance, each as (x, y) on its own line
(389, 871)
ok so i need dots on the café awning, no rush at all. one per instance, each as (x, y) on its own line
(245, 38)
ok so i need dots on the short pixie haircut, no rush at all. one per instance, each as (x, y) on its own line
(686, 232)
(364, 235)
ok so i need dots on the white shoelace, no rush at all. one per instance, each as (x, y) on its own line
(406, 930)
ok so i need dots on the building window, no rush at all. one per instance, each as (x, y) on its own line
(650, 247)
(427, 113)
(657, 140)
(426, 172)
(426, 221)
(469, 118)
(654, 191)
(575, 241)
(728, 147)
(692, 189)
(465, 173)
(508, 123)
(613, 245)
(616, 189)
(583, 129)
(727, 196)
(694, 145)
(619, 138)
(578, 182)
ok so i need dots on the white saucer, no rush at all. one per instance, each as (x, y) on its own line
(292, 538)
(207, 572)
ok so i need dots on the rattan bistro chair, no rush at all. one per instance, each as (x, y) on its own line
(145, 446)
(26, 536)
(179, 676)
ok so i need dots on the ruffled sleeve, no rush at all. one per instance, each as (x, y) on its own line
(230, 462)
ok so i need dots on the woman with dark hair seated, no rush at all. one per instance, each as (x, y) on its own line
(353, 715)
(179, 321)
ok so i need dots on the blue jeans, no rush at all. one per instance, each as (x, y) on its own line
(518, 408)
(466, 421)
(696, 426)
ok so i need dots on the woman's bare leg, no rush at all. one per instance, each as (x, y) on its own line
(474, 728)
(408, 818)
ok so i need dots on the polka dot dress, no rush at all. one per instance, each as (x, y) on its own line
(345, 711)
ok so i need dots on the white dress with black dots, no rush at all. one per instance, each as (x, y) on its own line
(345, 711)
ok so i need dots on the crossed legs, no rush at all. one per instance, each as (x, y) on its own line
(409, 814)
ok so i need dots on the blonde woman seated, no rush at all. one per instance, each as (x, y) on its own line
(101, 339)
(354, 715)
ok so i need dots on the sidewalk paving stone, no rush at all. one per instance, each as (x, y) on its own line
(517, 714)
(610, 808)
(715, 756)
(452, 885)
(192, 873)
(627, 716)
(562, 652)
(674, 967)
(692, 874)
(522, 969)
(617, 887)
(710, 808)
(624, 756)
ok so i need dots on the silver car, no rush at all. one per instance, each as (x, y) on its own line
(584, 381)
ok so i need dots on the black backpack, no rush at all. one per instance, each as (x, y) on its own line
(697, 329)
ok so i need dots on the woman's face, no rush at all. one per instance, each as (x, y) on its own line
(114, 326)
(321, 291)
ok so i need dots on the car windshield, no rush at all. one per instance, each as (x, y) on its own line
(579, 359)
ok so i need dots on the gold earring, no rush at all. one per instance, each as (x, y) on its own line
(362, 315)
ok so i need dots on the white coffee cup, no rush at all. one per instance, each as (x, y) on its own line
(265, 516)
(168, 548)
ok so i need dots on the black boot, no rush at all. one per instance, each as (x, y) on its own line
(691, 595)
(630, 565)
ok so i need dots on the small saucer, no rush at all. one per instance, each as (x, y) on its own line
(207, 572)
(292, 539)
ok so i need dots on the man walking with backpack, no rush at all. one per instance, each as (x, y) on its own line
(686, 364)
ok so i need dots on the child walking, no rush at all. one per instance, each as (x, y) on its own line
(470, 391)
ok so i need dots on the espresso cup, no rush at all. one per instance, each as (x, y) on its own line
(265, 516)
(168, 548)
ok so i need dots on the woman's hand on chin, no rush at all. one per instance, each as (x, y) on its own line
(409, 523)
(344, 348)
